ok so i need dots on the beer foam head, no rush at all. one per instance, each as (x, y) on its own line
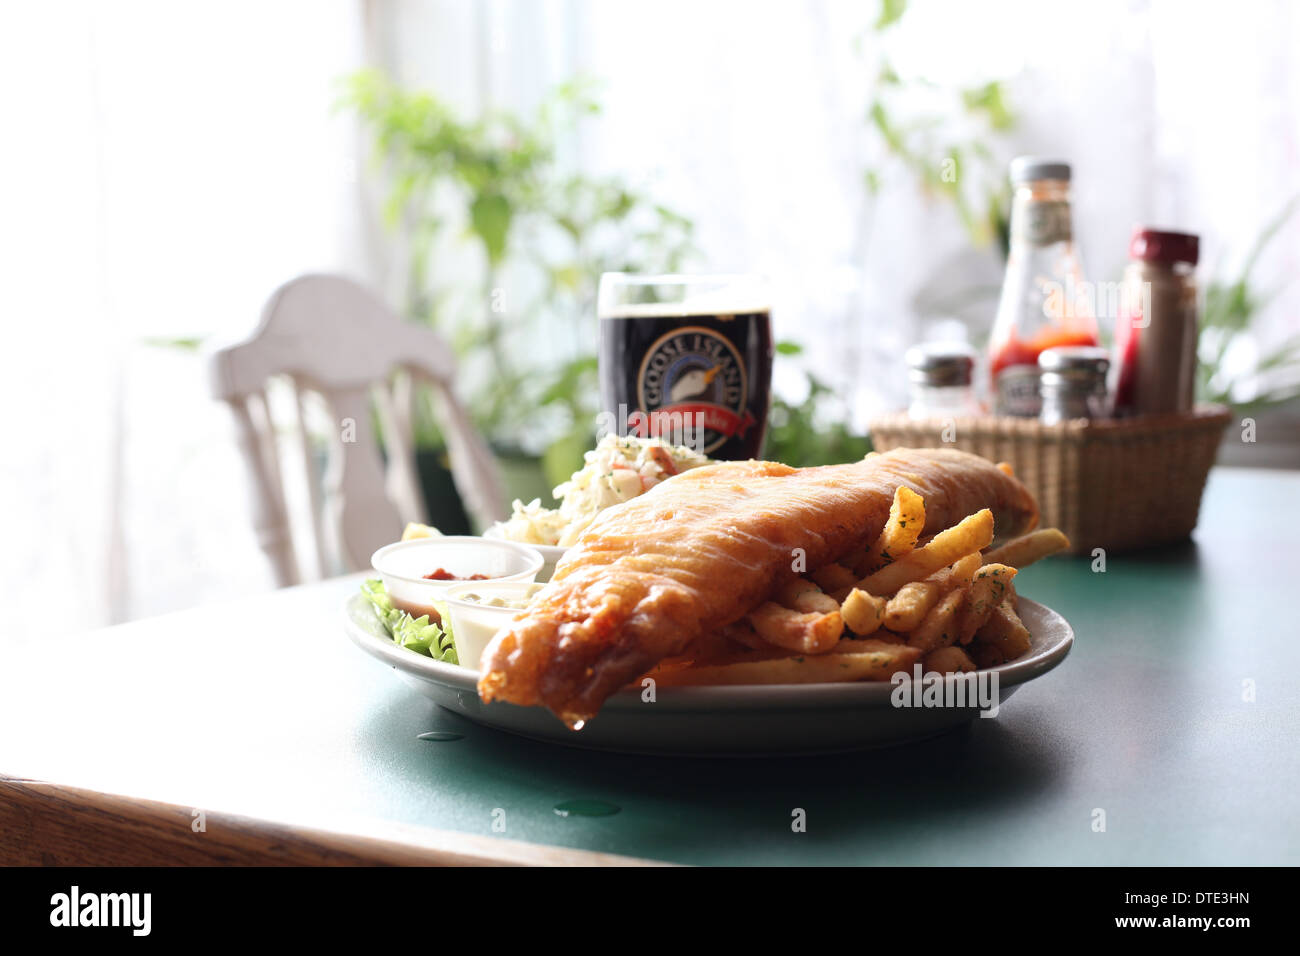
(699, 295)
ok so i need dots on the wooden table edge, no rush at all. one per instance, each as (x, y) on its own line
(51, 824)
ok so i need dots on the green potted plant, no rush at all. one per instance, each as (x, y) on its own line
(1231, 307)
(492, 191)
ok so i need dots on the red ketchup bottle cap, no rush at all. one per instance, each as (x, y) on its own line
(1156, 245)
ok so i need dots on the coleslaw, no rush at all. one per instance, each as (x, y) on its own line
(616, 470)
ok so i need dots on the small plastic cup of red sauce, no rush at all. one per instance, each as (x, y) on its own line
(418, 573)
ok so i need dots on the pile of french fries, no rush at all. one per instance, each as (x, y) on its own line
(944, 602)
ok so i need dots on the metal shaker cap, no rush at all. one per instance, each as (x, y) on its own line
(1027, 169)
(1070, 358)
(1080, 368)
(940, 364)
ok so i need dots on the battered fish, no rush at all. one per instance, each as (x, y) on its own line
(701, 550)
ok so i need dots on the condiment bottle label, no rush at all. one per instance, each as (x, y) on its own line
(1017, 391)
(1044, 222)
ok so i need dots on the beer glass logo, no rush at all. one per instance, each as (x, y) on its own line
(693, 374)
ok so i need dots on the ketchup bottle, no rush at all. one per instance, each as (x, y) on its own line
(1045, 302)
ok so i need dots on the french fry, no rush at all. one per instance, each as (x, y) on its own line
(863, 565)
(1025, 550)
(936, 600)
(796, 631)
(963, 569)
(1005, 631)
(742, 633)
(988, 589)
(800, 594)
(939, 628)
(862, 613)
(959, 574)
(947, 660)
(833, 577)
(906, 519)
(985, 655)
(972, 533)
(711, 645)
(869, 659)
(906, 609)
(665, 666)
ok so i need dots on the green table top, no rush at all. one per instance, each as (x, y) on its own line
(263, 707)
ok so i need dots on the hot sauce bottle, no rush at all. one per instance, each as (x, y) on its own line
(1045, 302)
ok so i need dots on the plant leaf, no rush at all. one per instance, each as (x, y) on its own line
(891, 11)
(489, 217)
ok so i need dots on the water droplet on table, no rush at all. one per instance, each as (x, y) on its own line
(440, 735)
(586, 808)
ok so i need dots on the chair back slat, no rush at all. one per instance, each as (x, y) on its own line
(472, 468)
(355, 501)
(264, 422)
(400, 480)
(270, 517)
(315, 501)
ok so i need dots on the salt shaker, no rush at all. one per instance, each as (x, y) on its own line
(1072, 383)
(939, 380)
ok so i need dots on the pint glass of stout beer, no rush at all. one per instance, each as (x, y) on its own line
(687, 359)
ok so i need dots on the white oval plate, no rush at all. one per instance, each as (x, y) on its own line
(767, 719)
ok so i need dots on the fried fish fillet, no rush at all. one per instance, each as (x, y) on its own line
(701, 550)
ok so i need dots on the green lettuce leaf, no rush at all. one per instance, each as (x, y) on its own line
(418, 635)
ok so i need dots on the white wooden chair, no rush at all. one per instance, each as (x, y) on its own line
(328, 335)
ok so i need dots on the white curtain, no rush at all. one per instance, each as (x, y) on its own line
(166, 165)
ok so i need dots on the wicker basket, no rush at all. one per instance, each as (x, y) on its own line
(1121, 484)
